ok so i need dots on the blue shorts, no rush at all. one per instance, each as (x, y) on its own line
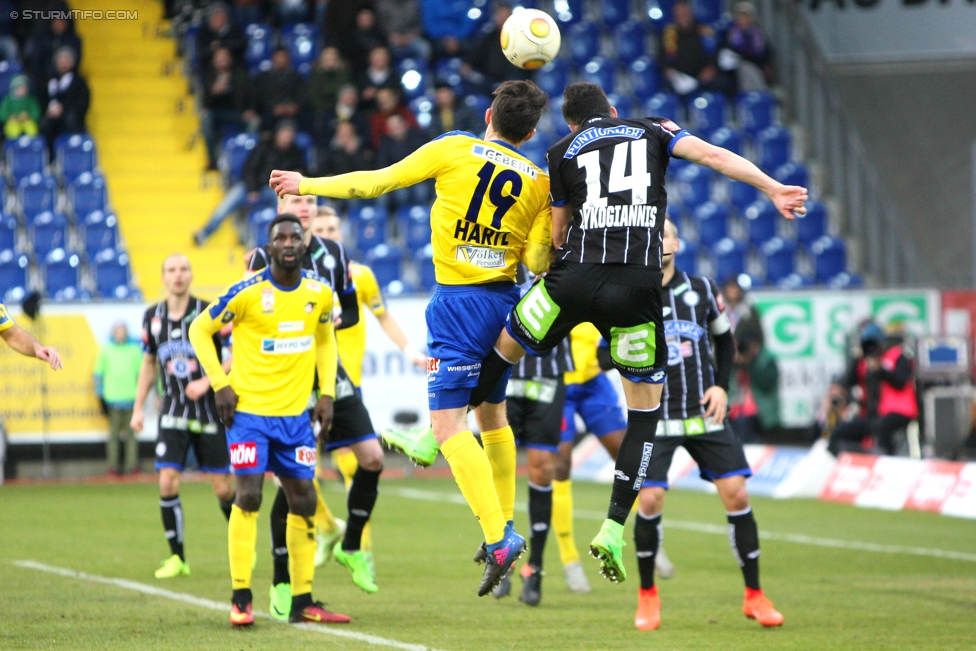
(285, 445)
(463, 324)
(597, 403)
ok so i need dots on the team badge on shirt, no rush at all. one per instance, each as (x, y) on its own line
(267, 300)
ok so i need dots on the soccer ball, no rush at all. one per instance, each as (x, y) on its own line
(530, 38)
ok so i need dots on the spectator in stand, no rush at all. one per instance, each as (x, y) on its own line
(67, 98)
(346, 109)
(688, 55)
(366, 37)
(19, 111)
(752, 54)
(225, 101)
(401, 140)
(739, 307)
(447, 24)
(279, 93)
(378, 74)
(277, 153)
(400, 20)
(116, 376)
(754, 389)
(288, 12)
(449, 116)
(487, 57)
(9, 49)
(345, 153)
(40, 48)
(882, 380)
(329, 76)
(219, 32)
(387, 104)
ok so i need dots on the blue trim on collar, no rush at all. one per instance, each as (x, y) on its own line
(282, 288)
(508, 146)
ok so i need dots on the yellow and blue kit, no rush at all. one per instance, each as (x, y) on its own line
(282, 335)
(589, 391)
(6, 321)
(352, 340)
(491, 212)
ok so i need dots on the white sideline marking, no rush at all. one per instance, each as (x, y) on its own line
(214, 605)
(703, 527)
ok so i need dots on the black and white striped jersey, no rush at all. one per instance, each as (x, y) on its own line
(327, 258)
(611, 171)
(168, 341)
(693, 311)
(553, 365)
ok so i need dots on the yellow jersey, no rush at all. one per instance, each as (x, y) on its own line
(282, 335)
(584, 340)
(6, 321)
(491, 209)
(352, 340)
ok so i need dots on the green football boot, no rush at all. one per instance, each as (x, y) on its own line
(608, 546)
(357, 565)
(281, 601)
(173, 567)
(418, 443)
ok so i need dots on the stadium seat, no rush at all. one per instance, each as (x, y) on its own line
(448, 71)
(25, 156)
(413, 222)
(757, 111)
(87, 194)
(813, 225)
(707, 11)
(425, 265)
(568, 12)
(48, 231)
(370, 227)
(713, 222)
(62, 275)
(13, 272)
(112, 274)
(599, 71)
(664, 105)
(742, 195)
(100, 232)
(75, 155)
(414, 77)
(622, 104)
(257, 56)
(385, 260)
(257, 225)
(36, 194)
(8, 233)
(8, 70)
(645, 81)
(730, 139)
(793, 174)
(780, 257)
(829, 258)
(236, 150)
(584, 42)
(658, 11)
(687, 257)
(694, 185)
(478, 104)
(730, 259)
(630, 38)
(614, 12)
(535, 150)
(774, 145)
(552, 77)
(706, 112)
(793, 281)
(556, 116)
(761, 220)
(302, 42)
(306, 143)
(845, 280)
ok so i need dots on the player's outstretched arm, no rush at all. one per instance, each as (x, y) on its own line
(395, 332)
(788, 199)
(25, 344)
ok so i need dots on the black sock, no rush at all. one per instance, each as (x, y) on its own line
(299, 602)
(632, 461)
(225, 506)
(172, 510)
(279, 547)
(360, 502)
(540, 516)
(744, 538)
(647, 539)
(241, 597)
(493, 368)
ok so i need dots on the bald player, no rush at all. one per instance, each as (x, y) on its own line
(187, 411)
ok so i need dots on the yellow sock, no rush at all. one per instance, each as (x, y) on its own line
(324, 520)
(242, 536)
(500, 450)
(345, 462)
(300, 538)
(562, 520)
(472, 472)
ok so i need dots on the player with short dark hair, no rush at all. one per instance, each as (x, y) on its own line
(608, 208)
(695, 401)
(187, 413)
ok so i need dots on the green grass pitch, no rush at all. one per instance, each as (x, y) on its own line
(833, 598)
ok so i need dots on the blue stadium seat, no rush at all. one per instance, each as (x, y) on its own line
(25, 156)
(713, 222)
(535, 150)
(302, 43)
(101, 231)
(448, 71)
(694, 185)
(75, 155)
(478, 104)
(774, 145)
(62, 275)
(742, 195)
(675, 166)
(707, 11)
(370, 227)
(584, 42)
(8, 233)
(415, 77)
(568, 12)
(552, 77)
(812, 226)
(385, 260)
(757, 111)
(793, 281)
(730, 259)
(793, 174)
(36, 194)
(556, 116)
(599, 71)
(614, 12)
(258, 222)
(9, 70)
(658, 11)
(730, 139)
(425, 266)
(257, 56)
(780, 256)
(829, 258)
(87, 194)
(413, 222)
(112, 274)
(623, 105)
(48, 231)
(630, 38)
(761, 219)
(306, 143)
(664, 105)
(687, 257)
(706, 112)
(13, 273)
(845, 280)
(645, 80)
(236, 150)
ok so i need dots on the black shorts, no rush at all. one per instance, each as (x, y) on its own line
(535, 412)
(210, 448)
(622, 301)
(718, 453)
(350, 420)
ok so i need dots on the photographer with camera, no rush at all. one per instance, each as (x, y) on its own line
(754, 391)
